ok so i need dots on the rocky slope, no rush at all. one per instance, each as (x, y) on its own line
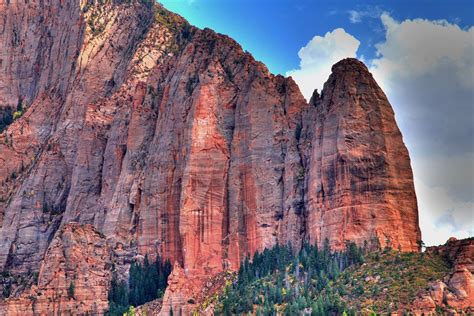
(171, 140)
(456, 290)
(439, 281)
(73, 277)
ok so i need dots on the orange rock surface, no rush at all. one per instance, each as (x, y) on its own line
(359, 178)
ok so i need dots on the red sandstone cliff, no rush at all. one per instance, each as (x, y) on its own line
(359, 181)
(171, 140)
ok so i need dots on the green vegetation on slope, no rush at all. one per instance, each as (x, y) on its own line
(8, 116)
(389, 281)
(277, 280)
(319, 282)
(182, 31)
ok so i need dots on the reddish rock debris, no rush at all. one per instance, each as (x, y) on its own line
(456, 291)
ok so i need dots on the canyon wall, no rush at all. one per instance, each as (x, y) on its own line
(172, 140)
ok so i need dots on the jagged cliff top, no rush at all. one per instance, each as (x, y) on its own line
(349, 64)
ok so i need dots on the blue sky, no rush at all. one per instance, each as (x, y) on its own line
(420, 52)
(274, 30)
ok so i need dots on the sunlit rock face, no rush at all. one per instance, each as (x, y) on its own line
(172, 141)
(359, 179)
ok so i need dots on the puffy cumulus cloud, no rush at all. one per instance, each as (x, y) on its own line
(317, 57)
(427, 70)
(441, 215)
(416, 47)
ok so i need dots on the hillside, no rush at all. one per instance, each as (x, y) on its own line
(353, 282)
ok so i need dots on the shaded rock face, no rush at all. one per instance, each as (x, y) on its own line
(38, 44)
(171, 140)
(39, 151)
(73, 277)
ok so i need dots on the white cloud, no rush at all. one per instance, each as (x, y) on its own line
(355, 16)
(426, 68)
(441, 215)
(317, 57)
(455, 173)
(427, 71)
(418, 47)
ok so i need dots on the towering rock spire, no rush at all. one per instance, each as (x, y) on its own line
(359, 181)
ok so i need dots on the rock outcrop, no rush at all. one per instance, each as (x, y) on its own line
(171, 140)
(73, 277)
(456, 291)
(359, 178)
(187, 296)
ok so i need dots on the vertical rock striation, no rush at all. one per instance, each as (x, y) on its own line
(40, 150)
(172, 141)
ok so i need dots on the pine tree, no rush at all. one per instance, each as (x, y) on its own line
(146, 282)
(70, 290)
(314, 309)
